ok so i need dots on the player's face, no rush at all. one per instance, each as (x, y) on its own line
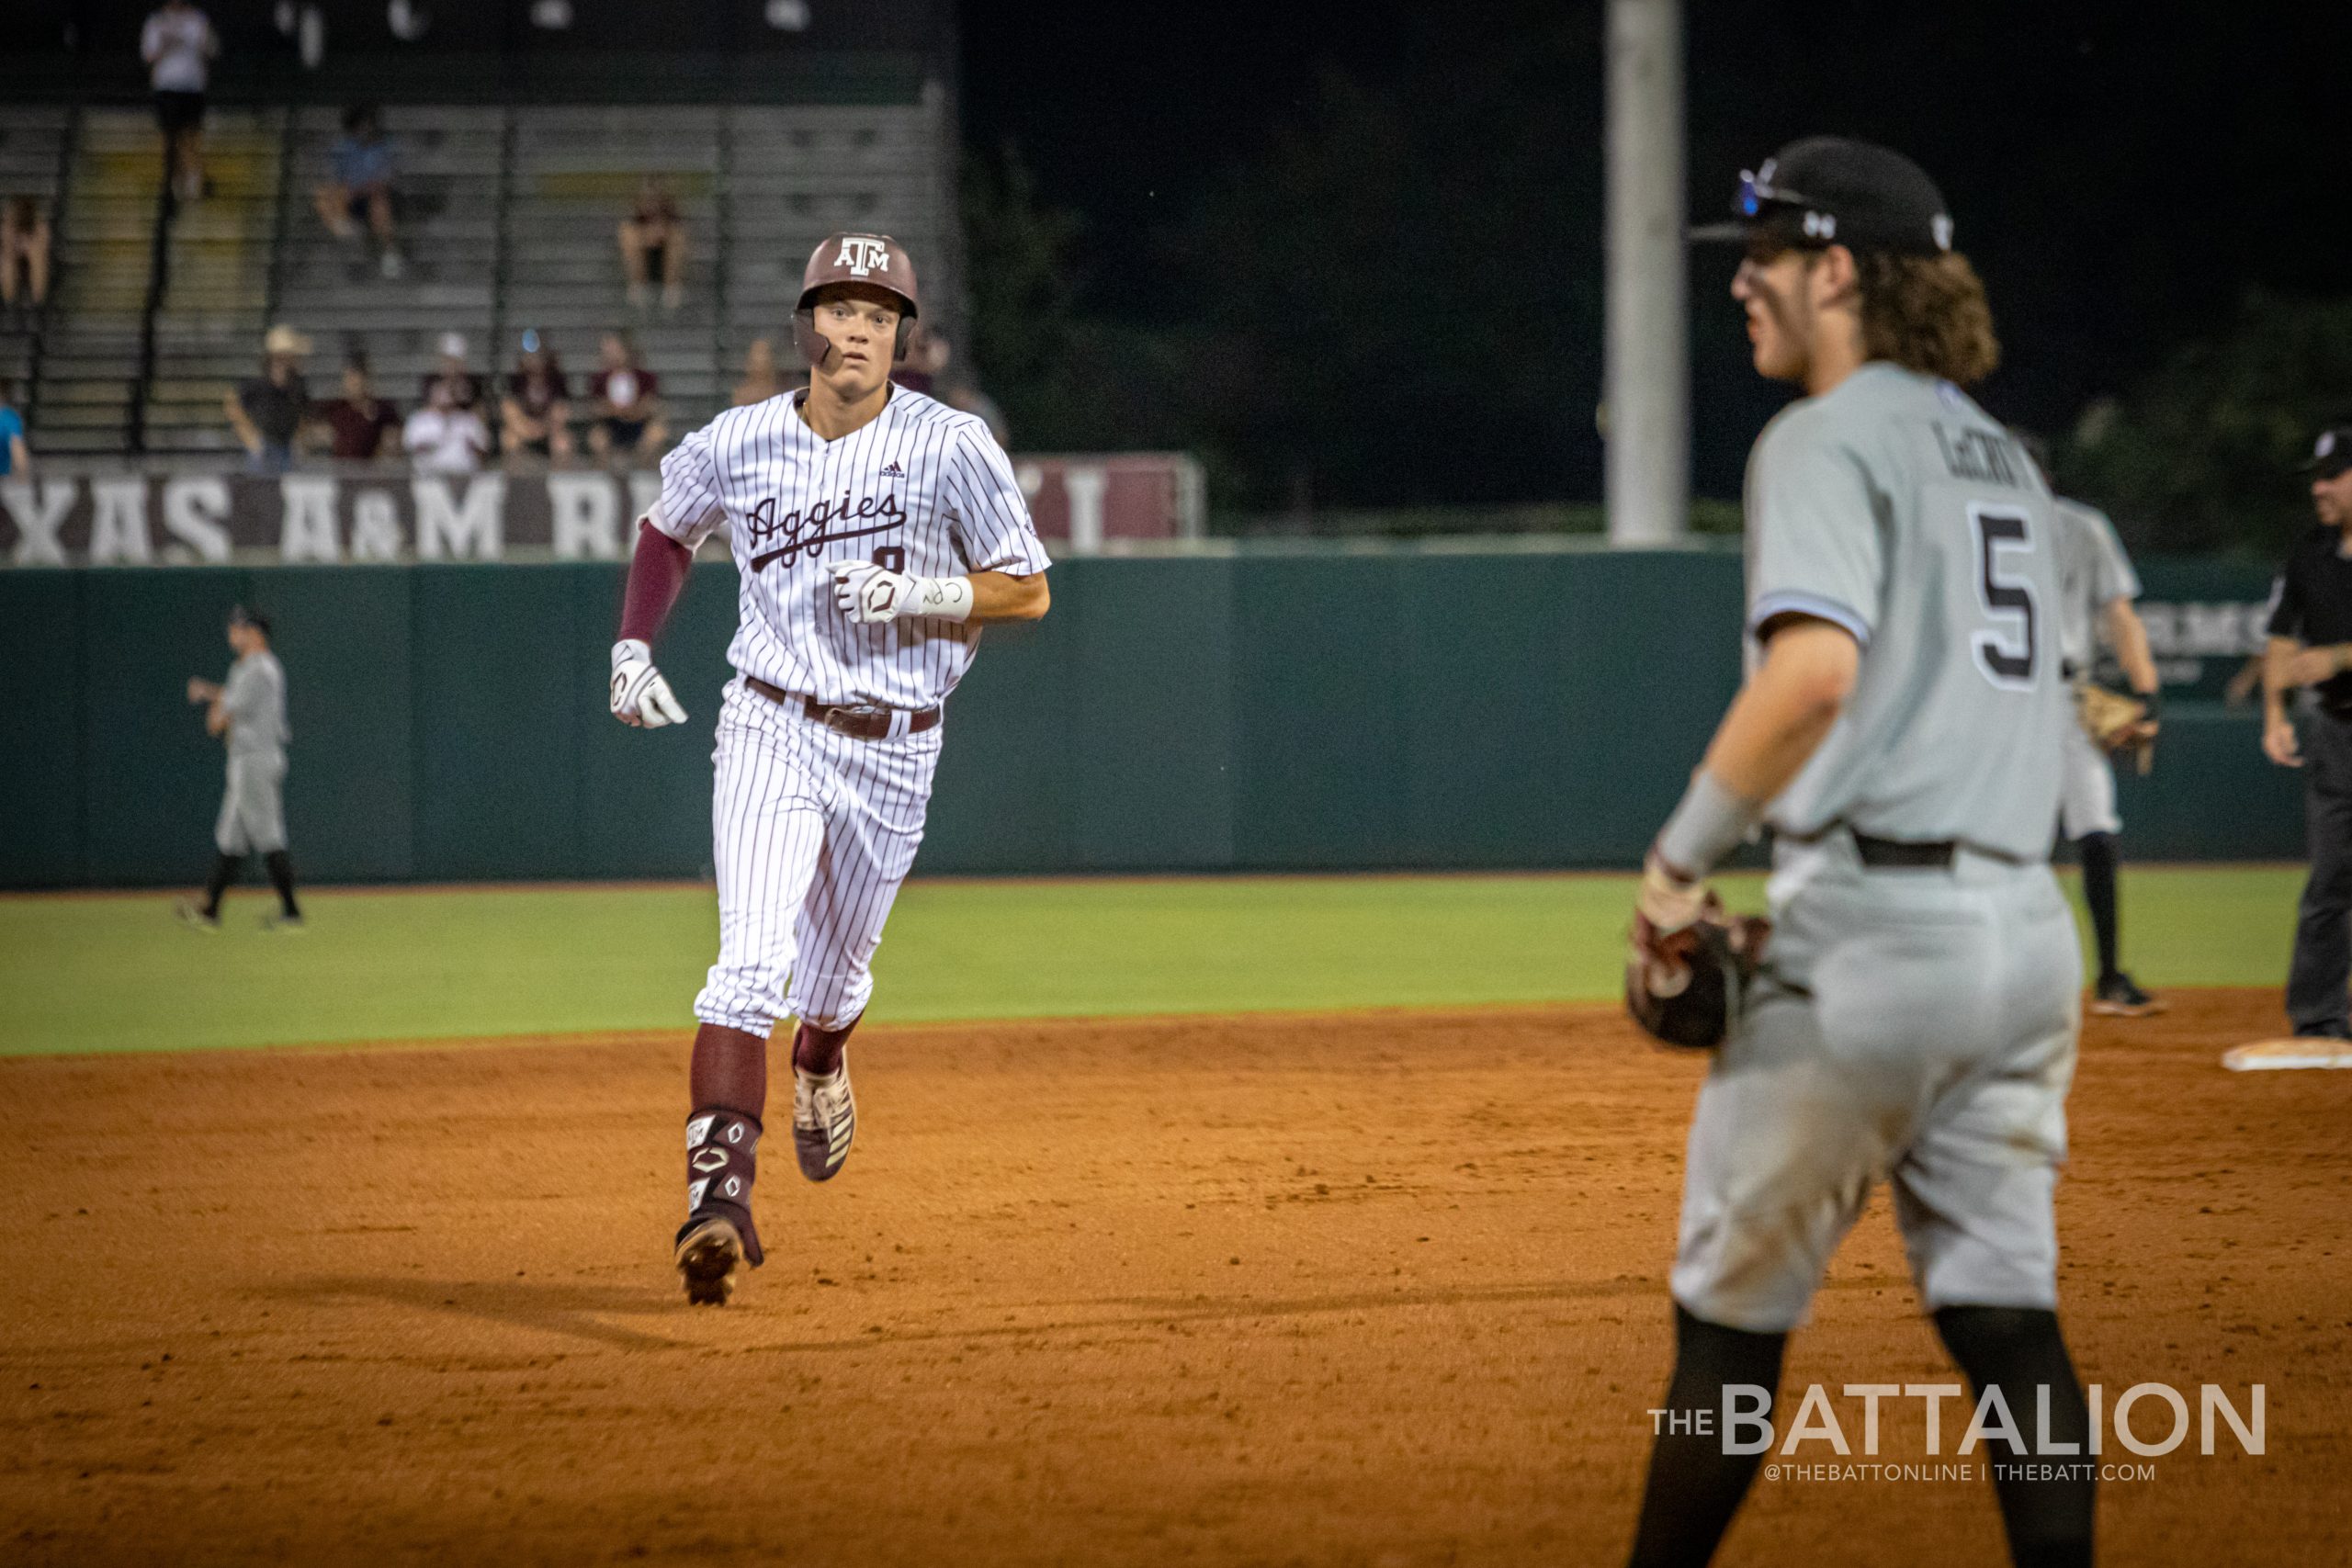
(2332, 498)
(1773, 290)
(862, 324)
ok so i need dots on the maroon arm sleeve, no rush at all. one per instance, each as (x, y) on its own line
(657, 574)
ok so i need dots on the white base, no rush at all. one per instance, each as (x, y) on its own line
(2272, 1056)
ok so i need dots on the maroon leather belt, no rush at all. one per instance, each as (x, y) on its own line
(859, 722)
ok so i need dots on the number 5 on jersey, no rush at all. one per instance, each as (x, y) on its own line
(2008, 653)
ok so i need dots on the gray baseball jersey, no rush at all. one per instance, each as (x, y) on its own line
(255, 700)
(2093, 573)
(1914, 1026)
(253, 805)
(1894, 507)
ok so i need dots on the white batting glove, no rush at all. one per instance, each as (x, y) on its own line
(866, 593)
(641, 696)
(871, 596)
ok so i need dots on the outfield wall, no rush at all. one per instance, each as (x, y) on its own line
(1417, 708)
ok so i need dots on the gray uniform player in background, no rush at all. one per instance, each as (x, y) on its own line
(248, 712)
(1900, 729)
(2096, 587)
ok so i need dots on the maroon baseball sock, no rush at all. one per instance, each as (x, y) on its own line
(730, 1070)
(818, 1050)
(730, 1084)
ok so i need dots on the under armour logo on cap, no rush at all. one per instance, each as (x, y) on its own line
(862, 254)
(2326, 447)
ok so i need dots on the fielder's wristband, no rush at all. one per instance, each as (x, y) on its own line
(1710, 823)
(939, 598)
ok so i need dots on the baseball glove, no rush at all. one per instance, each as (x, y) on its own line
(2117, 723)
(1687, 987)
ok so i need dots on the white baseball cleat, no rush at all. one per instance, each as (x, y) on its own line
(824, 1119)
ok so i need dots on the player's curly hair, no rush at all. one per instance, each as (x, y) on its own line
(1929, 314)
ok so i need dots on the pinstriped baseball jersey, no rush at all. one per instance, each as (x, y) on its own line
(922, 489)
(1891, 505)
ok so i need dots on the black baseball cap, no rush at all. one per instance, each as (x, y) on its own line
(2332, 453)
(240, 616)
(1829, 190)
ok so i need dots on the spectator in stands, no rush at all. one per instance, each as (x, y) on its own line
(178, 44)
(535, 413)
(363, 161)
(360, 426)
(24, 253)
(268, 412)
(760, 380)
(653, 234)
(14, 456)
(443, 438)
(628, 397)
(465, 386)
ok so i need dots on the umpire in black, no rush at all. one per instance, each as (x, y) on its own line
(2309, 654)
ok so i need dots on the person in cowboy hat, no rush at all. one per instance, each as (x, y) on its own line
(267, 412)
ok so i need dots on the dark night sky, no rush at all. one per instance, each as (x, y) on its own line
(2121, 175)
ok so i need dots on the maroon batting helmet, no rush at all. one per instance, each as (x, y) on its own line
(876, 260)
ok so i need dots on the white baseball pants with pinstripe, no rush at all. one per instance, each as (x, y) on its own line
(812, 832)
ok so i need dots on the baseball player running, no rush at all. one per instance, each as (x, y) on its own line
(248, 713)
(2096, 587)
(875, 532)
(1900, 729)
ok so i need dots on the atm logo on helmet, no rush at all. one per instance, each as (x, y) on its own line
(862, 255)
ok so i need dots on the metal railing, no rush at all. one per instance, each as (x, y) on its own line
(159, 279)
(68, 145)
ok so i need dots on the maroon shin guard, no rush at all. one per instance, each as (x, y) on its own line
(729, 1083)
(819, 1050)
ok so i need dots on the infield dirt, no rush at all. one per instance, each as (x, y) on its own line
(1362, 1289)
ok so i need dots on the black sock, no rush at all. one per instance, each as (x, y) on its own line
(2019, 1350)
(224, 871)
(2097, 850)
(1694, 1487)
(281, 877)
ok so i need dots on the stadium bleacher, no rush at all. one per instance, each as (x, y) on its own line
(507, 218)
(451, 170)
(32, 162)
(214, 308)
(576, 173)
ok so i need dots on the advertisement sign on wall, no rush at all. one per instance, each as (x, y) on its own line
(175, 515)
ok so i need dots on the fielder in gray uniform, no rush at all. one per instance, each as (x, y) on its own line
(2096, 587)
(1900, 730)
(249, 713)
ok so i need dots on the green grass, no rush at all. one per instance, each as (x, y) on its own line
(114, 972)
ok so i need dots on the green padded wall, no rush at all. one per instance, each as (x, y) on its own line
(1279, 710)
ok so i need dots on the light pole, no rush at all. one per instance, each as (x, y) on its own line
(1646, 395)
